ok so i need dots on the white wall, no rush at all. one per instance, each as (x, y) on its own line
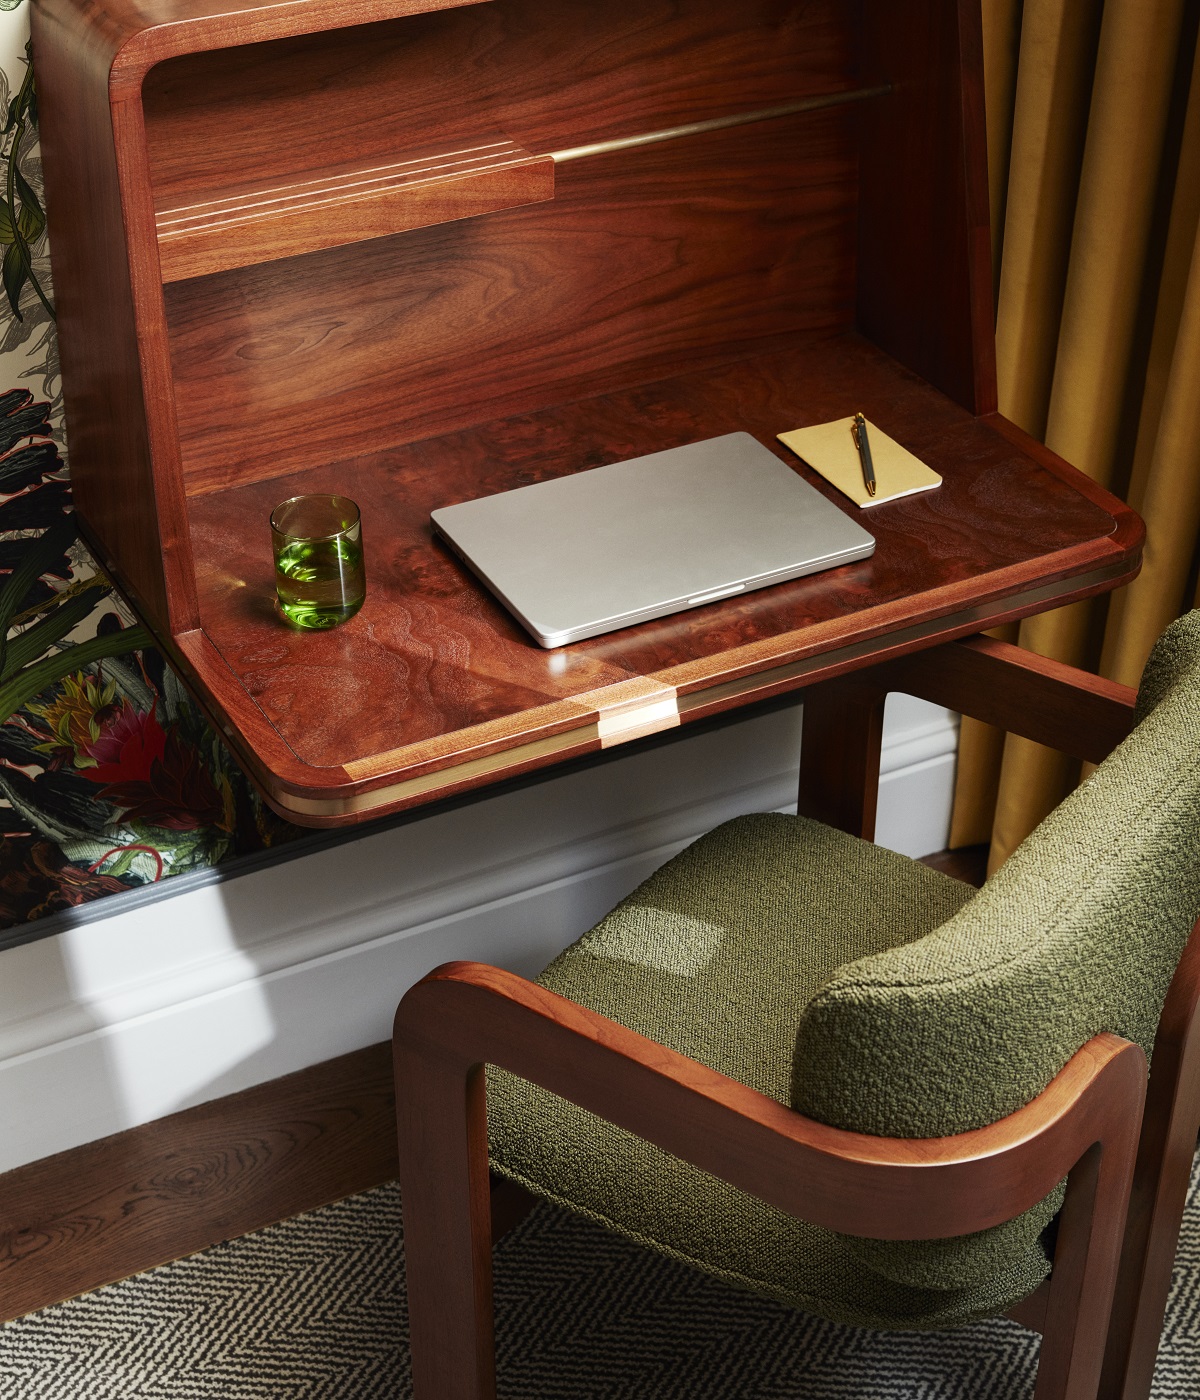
(122, 1019)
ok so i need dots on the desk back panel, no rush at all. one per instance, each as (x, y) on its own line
(647, 262)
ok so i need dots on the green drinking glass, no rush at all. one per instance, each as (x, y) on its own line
(319, 573)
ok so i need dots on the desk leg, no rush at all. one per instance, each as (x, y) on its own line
(839, 759)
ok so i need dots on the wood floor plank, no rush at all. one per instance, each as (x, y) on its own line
(95, 1214)
(968, 864)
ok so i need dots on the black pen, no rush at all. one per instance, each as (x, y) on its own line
(859, 429)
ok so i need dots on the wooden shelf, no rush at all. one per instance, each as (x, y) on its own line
(334, 207)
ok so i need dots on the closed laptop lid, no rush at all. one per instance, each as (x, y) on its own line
(606, 548)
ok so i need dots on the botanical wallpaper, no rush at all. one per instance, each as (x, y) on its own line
(109, 777)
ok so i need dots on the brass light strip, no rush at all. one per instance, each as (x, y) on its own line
(636, 721)
(763, 114)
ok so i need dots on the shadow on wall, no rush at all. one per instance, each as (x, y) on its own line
(336, 938)
(185, 999)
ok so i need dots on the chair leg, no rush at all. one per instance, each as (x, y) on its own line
(510, 1205)
(839, 756)
(1160, 1184)
(1143, 1288)
(1083, 1281)
(442, 1127)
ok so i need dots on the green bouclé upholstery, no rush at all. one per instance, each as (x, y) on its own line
(873, 993)
(1079, 932)
(715, 956)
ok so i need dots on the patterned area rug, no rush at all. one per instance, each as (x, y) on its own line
(314, 1309)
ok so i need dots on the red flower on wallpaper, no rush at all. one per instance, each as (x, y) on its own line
(127, 747)
(153, 774)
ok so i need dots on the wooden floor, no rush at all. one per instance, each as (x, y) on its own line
(87, 1217)
(98, 1213)
(968, 864)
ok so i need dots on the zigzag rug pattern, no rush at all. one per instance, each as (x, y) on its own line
(314, 1309)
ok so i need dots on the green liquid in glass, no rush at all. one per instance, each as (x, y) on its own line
(320, 582)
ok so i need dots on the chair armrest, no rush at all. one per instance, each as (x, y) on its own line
(465, 1015)
(1073, 711)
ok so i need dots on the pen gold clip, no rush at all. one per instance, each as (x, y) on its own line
(859, 431)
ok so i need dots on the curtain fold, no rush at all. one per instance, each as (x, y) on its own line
(1164, 485)
(1094, 139)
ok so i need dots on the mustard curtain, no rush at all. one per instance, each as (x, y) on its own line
(1094, 150)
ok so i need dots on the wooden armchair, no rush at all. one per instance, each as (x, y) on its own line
(933, 1217)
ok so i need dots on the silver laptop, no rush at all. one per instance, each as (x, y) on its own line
(602, 549)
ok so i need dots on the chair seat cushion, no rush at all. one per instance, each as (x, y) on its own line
(716, 956)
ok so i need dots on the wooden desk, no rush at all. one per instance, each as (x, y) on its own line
(433, 687)
(244, 318)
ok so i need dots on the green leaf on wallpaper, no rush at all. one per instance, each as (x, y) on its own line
(27, 646)
(42, 552)
(30, 681)
(131, 682)
(26, 219)
(122, 864)
(13, 273)
(32, 220)
(56, 828)
(8, 232)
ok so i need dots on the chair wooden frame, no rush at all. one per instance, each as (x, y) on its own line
(1084, 1126)
(1085, 717)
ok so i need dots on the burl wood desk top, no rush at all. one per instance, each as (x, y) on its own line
(433, 688)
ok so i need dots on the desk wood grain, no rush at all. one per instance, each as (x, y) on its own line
(435, 674)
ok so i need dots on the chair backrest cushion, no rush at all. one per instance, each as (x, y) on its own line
(1079, 932)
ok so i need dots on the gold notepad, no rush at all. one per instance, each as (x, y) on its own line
(829, 449)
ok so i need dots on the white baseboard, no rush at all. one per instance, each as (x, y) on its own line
(121, 1020)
